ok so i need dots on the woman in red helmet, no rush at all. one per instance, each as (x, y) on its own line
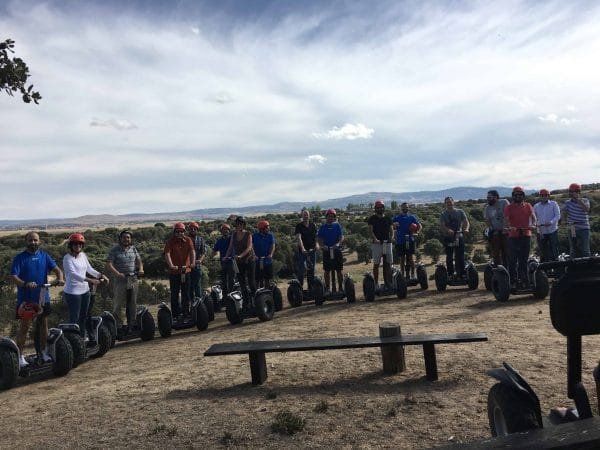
(576, 210)
(79, 274)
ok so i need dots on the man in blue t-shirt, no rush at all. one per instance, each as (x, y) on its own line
(29, 272)
(221, 246)
(330, 237)
(263, 243)
(407, 227)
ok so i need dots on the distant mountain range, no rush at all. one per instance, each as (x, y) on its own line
(104, 220)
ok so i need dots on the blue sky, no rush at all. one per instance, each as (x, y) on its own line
(169, 106)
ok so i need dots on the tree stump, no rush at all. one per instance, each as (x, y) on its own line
(392, 355)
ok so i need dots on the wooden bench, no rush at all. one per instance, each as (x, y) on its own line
(258, 366)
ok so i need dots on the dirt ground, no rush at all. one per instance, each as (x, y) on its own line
(165, 394)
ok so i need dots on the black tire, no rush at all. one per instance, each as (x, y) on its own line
(501, 285)
(263, 306)
(64, 357)
(113, 331)
(148, 327)
(472, 277)
(232, 314)
(422, 277)
(77, 346)
(349, 290)
(295, 295)
(318, 291)
(277, 299)
(104, 341)
(510, 411)
(215, 301)
(369, 288)
(400, 285)
(441, 278)
(165, 322)
(542, 285)
(210, 308)
(201, 316)
(487, 277)
(9, 368)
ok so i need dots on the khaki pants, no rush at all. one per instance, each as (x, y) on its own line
(120, 297)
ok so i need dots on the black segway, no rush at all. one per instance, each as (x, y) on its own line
(348, 291)
(513, 405)
(295, 294)
(443, 279)
(58, 346)
(144, 327)
(272, 285)
(198, 317)
(240, 304)
(537, 283)
(398, 287)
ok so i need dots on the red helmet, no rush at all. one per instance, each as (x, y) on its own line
(575, 187)
(225, 226)
(179, 227)
(331, 211)
(28, 310)
(379, 203)
(518, 189)
(76, 238)
(193, 226)
(413, 227)
(544, 192)
(262, 225)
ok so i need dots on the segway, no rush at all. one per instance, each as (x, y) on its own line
(275, 291)
(199, 314)
(470, 279)
(144, 327)
(398, 286)
(513, 405)
(295, 294)
(216, 295)
(240, 304)
(348, 291)
(537, 283)
(58, 346)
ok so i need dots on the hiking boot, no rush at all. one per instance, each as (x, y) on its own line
(22, 362)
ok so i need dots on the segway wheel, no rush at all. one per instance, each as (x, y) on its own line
(165, 322)
(277, 299)
(542, 285)
(472, 277)
(9, 368)
(501, 285)
(318, 291)
(369, 289)
(210, 308)
(232, 314)
(422, 277)
(295, 295)
(215, 300)
(104, 341)
(113, 332)
(349, 290)
(441, 278)
(64, 357)
(509, 411)
(201, 316)
(148, 327)
(263, 306)
(487, 277)
(77, 346)
(401, 286)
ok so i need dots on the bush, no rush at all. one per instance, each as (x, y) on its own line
(287, 422)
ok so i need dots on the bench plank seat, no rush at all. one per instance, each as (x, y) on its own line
(256, 349)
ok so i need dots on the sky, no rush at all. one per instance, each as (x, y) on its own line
(152, 106)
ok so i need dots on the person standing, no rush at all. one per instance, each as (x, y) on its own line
(263, 244)
(407, 226)
(221, 246)
(125, 263)
(79, 274)
(381, 231)
(519, 219)
(306, 256)
(240, 248)
(547, 213)
(330, 237)
(453, 223)
(577, 212)
(179, 256)
(497, 237)
(196, 272)
(29, 272)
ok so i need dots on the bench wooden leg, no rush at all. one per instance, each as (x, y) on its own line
(430, 362)
(258, 367)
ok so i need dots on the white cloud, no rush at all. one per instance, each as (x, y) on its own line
(117, 124)
(347, 131)
(555, 118)
(315, 159)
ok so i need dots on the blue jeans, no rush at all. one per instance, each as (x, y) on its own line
(305, 266)
(78, 309)
(196, 282)
(579, 246)
(548, 244)
(519, 254)
(176, 285)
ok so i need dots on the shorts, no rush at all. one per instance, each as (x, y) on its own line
(403, 249)
(266, 273)
(378, 250)
(337, 263)
(46, 310)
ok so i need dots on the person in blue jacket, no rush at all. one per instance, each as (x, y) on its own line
(263, 242)
(331, 236)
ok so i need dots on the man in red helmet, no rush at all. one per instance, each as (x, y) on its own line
(179, 255)
(519, 220)
(547, 213)
(196, 271)
(330, 237)
(380, 229)
(407, 227)
(29, 272)
(263, 243)
(576, 210)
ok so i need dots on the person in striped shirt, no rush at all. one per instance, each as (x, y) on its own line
(577, 213)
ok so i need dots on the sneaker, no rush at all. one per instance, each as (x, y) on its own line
(46, 357)
(22, 362)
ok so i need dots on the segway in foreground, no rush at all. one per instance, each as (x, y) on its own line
(272, 286)
(144, 326)
(57, 344)
(198, 316)
(295, 294)
(321, 295)
(537, 283)
(470, 277)
(241, 304)
(513, 405)
(398, 286)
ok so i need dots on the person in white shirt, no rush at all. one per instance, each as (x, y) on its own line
(548, 214)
